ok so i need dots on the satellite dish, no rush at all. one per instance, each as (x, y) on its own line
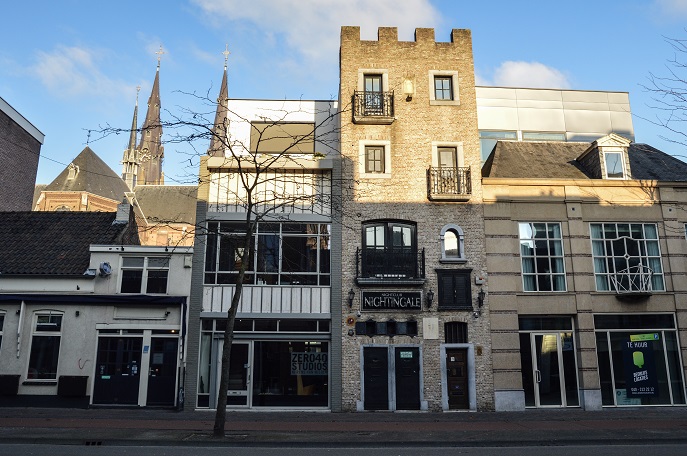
(105, 269)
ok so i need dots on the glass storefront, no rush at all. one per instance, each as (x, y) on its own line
(273, 370)
(639, 360)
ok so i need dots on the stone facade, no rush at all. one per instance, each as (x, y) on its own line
(411, 135)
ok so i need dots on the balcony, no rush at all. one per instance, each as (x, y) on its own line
(634, 282)
(449, 184)
(373, 107)
(388, 266)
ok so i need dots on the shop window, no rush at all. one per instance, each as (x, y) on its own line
(454, 289)
(145, 275)
(541, 255)
(45, 347)
(443, 88)
(627, 257)
(452, 244)
(456, 332)
(280, 254)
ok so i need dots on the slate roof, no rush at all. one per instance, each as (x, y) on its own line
(55, 243)
(94, 176)
(168, 203)
(558, 160)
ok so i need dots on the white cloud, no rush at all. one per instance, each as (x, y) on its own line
(529, 74)
(672, 8)
(310, 25)
(72, 71)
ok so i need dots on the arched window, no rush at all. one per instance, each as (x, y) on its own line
(452, 244)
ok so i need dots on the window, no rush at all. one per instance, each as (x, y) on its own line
(389, 250)
(373, 94)
(443, 88)
(541, 253)
(452, 244)
(542, 136)
(487, 140)
(615, 167)
(45, 347)
(374, 159)
(447, 156)
(145, 275)
(454, 289)
(282, 137)
(456, 332)
(284, 254)
(627, 257)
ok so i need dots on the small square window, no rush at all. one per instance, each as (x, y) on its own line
(374, 159)
(443, 88)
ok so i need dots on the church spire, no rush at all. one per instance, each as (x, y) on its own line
(130, 160)
(221, 125)
(150, 149)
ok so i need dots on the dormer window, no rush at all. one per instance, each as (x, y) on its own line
(615, 165)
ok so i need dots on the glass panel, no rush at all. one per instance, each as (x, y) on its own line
(45, 351)
(527, 369)
(132, 279)
(447, 157)
(204, 364)
(526, 230)
(634, 321)
(674, 367)
(549, 385)
(157, 262)
(157, 282)
(572, 396)
(451, 244)
(604, 359)
(238, 368)
(268, 253)
(544, 323)
(614, 165)
(133, 262)
(48, 323)
(542, 136)
(530, 282)
(290, 374)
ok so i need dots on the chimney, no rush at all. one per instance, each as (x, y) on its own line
(123, 211)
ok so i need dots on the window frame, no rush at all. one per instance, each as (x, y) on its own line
(458, 231)
(372, 162)
(362, 159)
(36, 333)
(455, 91)
(463, 302)
(536, 259)
(621, 157)
(645, 259)
(146, 269)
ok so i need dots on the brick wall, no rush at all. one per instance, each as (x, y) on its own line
(19, 152)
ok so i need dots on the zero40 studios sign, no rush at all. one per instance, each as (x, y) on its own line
(392, 300)
(640, 368)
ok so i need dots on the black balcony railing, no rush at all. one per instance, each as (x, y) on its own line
(373, 105)
(449, 183)
(390, 264)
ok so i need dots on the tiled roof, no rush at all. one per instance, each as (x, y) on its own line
(558, 160)
(168, 203)
(54, 243)
(94, 176)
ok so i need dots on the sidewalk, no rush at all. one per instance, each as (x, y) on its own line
(164, 427)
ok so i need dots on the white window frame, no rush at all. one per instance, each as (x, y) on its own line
(35, 333)
(622, 162)
(458, 145)
(145, 268)
(461, 244)
(362, 157)
(454, 88)
(534, 258)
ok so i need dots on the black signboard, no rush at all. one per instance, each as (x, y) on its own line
(640, 368)
(392, 301)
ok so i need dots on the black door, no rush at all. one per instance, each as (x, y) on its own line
(162, 374)
(117, 370)
(376, 372)
(457, 378)
(407, 378)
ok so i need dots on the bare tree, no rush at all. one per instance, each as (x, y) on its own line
(669, 93)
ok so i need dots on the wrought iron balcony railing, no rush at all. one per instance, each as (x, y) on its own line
(449, 184)
(373, 107)
(390, 264)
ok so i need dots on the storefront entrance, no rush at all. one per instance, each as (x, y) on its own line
(117, 370)
(548, 363)
(399, 373)
(162, 373)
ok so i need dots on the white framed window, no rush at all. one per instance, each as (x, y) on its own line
(45, 346)
(614, 164)
(373, 80)
(627, 256)
(541, 254)
(447, 154)
(142, 274)
(374, 159)
(452, 244)
(443, 88)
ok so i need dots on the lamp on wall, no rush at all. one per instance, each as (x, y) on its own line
(430, 298)
(351, 297)
(408, 89)
(480, 303)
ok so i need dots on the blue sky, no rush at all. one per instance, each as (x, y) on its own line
(73, 66)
